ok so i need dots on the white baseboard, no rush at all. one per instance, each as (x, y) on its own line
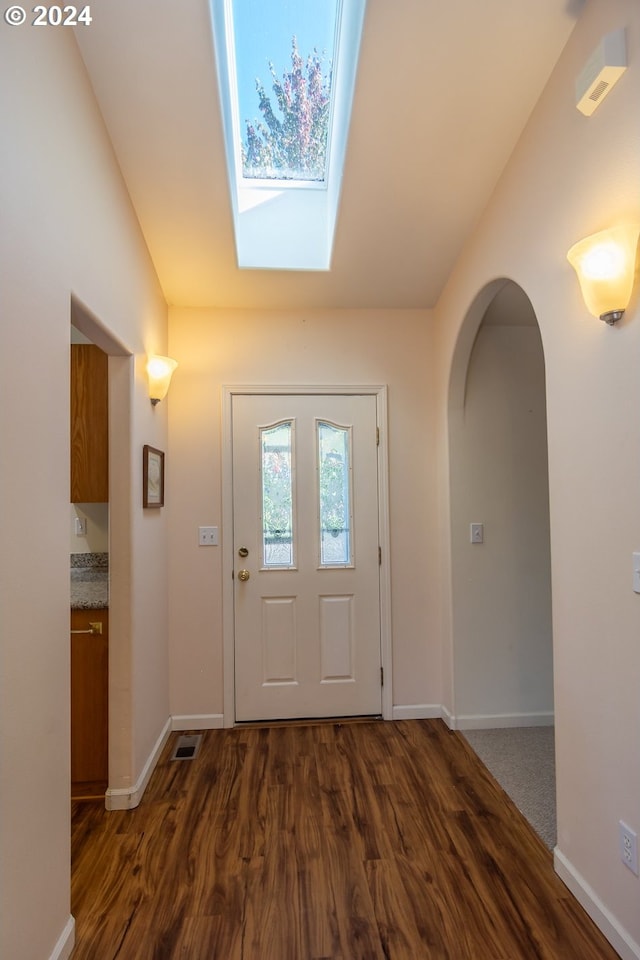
(417, 711)
(490, 722)
(430, 711)
(66, 941)
(127, 798)
(448, 718)
(198, 721)
(615, 933)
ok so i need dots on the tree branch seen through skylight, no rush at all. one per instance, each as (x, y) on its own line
(291, 144)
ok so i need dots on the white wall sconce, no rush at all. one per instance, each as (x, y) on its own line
(159, 372)
(605, 264)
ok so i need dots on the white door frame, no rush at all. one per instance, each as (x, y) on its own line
(228, 559)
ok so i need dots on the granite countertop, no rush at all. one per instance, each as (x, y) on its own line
(89, 581)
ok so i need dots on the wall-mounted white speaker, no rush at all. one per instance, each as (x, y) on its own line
(601, 72)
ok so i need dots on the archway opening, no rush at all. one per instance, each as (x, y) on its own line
(501, 569)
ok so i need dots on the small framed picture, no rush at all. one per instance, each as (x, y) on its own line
(152, 477)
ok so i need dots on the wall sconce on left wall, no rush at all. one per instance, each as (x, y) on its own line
(159, 372)
(605, 264)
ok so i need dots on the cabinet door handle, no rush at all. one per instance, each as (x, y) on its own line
(95, 629)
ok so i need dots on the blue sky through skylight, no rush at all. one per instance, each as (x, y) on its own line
(263, 31)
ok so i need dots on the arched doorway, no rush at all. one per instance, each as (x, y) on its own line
(501, 586)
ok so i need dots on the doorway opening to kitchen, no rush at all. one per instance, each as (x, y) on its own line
(100, 376)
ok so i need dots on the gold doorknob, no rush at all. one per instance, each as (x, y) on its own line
(243, 575)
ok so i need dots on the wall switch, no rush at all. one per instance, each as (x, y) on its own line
(628, 847)
(477, 533)
(208, 536)
(80, 526)
(636, 572)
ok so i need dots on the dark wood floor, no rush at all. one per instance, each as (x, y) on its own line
(354, 841)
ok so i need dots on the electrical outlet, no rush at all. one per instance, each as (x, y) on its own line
(628, 847)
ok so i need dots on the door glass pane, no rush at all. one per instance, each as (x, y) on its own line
(277, 495)
(334, 475)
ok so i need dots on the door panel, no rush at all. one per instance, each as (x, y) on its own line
(336, 638)
(305, 497)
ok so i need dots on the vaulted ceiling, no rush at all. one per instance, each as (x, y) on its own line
(444, 90)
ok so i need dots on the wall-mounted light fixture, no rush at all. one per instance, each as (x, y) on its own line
(159, 372)
(605, 264)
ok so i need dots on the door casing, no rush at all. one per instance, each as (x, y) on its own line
(380, 393)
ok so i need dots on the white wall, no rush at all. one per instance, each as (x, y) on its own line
(568, 177)
(217, 347)
(67, 228)
(503, 668)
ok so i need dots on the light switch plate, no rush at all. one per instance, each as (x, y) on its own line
(476, 533)
(208, 536)
(636, 572)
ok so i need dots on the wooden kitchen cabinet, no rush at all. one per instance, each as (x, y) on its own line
(89, 703)
(89, 424)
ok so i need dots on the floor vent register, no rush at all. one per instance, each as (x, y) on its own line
(187, 746)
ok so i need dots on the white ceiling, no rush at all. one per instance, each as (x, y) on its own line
(444, 90)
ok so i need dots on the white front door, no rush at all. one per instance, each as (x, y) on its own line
(306, 558)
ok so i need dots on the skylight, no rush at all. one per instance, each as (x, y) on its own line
(286, 70)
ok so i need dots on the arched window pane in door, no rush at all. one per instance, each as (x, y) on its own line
(276, 444)
(334, 484)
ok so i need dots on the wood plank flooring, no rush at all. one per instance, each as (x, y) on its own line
(322, 841)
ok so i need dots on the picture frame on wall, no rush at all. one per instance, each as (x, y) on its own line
(152, 477)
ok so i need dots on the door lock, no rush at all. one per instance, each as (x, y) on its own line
(243, 552)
